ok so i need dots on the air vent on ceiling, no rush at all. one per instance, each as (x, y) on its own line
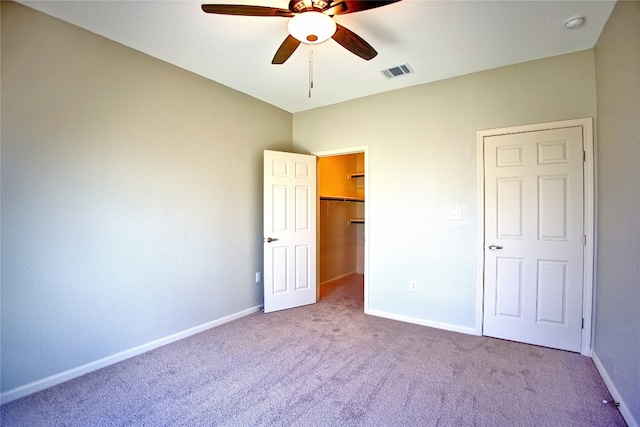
(398, 71)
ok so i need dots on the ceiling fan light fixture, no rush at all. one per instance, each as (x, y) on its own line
(311, 27)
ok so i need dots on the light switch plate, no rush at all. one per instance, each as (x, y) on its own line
(456, 215)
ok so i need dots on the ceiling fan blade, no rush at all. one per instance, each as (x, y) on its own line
(286, 49)
(354, 43)
(340, 7)
(245, 10)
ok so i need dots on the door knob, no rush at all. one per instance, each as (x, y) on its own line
(493, 247)
(271, 239)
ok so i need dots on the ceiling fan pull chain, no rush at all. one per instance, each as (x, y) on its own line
(310, 71)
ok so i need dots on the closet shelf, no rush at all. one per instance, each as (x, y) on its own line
(341, 199)
(357, 179)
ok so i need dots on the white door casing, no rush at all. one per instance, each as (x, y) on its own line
(537, 245)
(289, 246)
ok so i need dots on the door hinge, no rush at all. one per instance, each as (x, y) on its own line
(582, 323)
(584, 240)
(584, 156)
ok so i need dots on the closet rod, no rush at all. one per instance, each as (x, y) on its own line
(341, 199)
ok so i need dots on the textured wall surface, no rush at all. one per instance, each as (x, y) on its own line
(422, 164)
(131, 197)
(617, 332)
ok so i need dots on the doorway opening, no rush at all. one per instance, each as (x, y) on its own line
(342, 213)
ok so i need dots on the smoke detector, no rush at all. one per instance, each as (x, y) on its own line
(574, 22)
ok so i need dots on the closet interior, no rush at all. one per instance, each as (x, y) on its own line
(341, 189)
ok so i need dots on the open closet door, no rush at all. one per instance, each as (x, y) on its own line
(290, 203)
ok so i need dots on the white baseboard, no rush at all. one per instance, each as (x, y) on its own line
(423, 322)
(335, 279)
(56, 379)
(624, 408)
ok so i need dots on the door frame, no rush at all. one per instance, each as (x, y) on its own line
(339, 152)
(588, 212)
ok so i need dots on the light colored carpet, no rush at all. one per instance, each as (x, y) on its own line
(329, 365)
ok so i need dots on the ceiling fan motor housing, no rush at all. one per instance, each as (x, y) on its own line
(297, 6)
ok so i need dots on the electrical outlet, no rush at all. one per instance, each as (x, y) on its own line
(258, 277)
(413, 285)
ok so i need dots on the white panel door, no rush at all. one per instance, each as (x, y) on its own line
(289, 230)
(534, 237)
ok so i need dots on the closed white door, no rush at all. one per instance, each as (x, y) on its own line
(534, 237)
(289, 230)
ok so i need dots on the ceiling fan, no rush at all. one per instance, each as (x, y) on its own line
(311, 23)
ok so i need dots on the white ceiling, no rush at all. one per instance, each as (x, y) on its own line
(438, 39)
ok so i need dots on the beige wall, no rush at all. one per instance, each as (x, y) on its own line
(617, 328)
(337, 240)
(131, 197)
(333, 172)
(422, 164)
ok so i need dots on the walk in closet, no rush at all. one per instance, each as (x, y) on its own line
(341, 189)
